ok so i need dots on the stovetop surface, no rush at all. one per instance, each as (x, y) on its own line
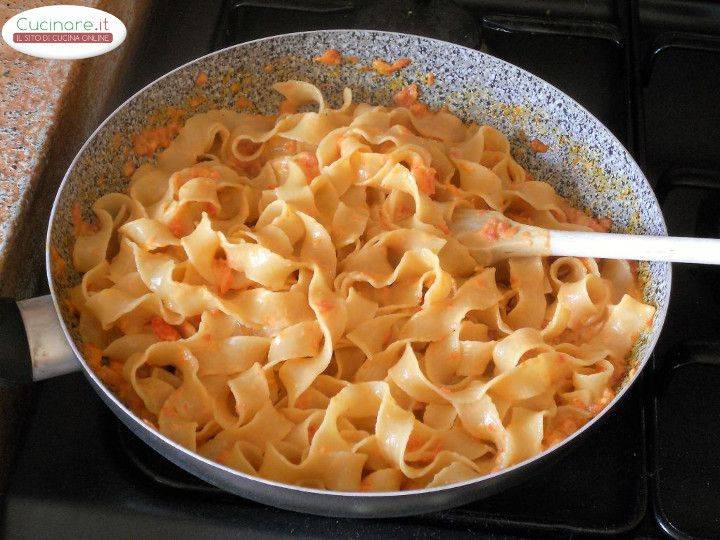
(648, 70)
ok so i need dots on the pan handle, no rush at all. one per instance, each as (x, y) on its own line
(32, 343)
(15, 365)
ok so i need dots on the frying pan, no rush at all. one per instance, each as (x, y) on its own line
(585, 162)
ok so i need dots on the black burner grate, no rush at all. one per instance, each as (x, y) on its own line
(687, 471)
(440, 19)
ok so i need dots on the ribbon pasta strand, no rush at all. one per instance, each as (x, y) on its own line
(282, 294)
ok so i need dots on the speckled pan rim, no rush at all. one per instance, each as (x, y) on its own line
(640, 362)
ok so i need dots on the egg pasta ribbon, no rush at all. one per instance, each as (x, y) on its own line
(282, 294)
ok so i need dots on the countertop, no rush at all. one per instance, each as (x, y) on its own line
(47, 109)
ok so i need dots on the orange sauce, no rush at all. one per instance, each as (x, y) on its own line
(163, 330)
(201, 79)
(538, 146)
(331, 57)
(384, 68)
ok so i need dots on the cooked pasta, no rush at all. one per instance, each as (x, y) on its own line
(282, 294)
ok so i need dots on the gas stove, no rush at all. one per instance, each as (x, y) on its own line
(648, 70)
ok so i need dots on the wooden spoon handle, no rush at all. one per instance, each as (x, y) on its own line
(635, 247)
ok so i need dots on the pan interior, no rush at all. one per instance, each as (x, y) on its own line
(584, 162)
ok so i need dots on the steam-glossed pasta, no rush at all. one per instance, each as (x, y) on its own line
(282, 294)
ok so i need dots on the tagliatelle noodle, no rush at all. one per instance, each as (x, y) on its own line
(282, 294)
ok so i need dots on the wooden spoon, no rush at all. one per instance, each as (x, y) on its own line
(491, 237)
